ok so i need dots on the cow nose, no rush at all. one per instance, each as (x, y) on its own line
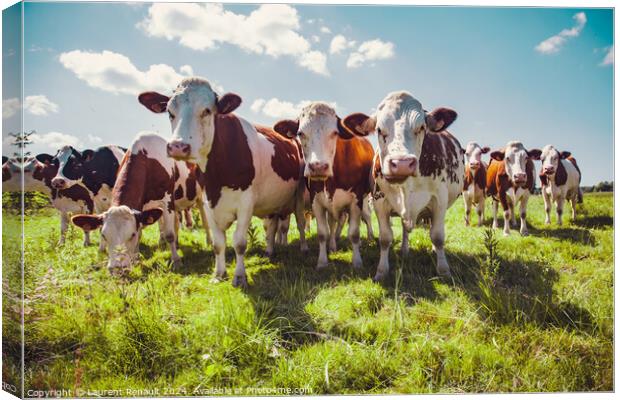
(549, 170)
(474, 164)
(59, 183)
(318, 168)
(178, 149)
(520, 177)
(403, 166)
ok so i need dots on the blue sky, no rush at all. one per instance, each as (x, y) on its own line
(539, 75)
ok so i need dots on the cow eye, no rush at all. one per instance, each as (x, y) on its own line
(170, 115)
(133, 235)
(205, 113)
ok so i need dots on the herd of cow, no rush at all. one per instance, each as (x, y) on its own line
(318, 164)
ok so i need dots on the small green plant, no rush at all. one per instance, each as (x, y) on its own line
(253, 236)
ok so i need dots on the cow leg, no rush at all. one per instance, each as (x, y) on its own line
(169, 231)
(523, 215)
(437, 233)
(559, 208)
(189, 219)
(333, 232)
(244, 218)
(513, 216)
(101, 242)
(573, 203)
(494, 208)
(271, 227)
(404, 244)
(322, 233)
(338, 232)
(386, 236)
(467, 202)
(367, 217)
(480, 210)
(219, 249)
(204, 221)
(547, 200)
(283, 226)
(355, 214)
(302, 224)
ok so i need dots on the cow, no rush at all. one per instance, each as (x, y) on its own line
(560, 178)
(247, 170)
(475, 181)
(150, 187)
(337, 172)
(418, 170)
(511, 180)
(94, 170)
(11, 175)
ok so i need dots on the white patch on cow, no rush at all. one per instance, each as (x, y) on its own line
(515, 157)
(558, 194)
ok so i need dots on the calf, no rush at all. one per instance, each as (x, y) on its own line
(94, 170)
(419, 169)
(511, 180)
(475, 180)
(337, 171)
(149, 186)
(560, 178)
(248, 170)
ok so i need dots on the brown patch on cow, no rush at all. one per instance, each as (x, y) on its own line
(498, 182)
(561, 175)
(286, 160)
(440, 153)
(141, 179)
(478, 177)
(178, 194)
(352, 165)
(543, 179)
(6, 172)
(230, 162)
(192, 177)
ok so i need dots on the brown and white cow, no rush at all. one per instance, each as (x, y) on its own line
(475, 181)
(248, 170)
(560, 178)
(419, 169)
(337, 171)
(150, 185)
(511, 180)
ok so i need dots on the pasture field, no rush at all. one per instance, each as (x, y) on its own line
(519, 314)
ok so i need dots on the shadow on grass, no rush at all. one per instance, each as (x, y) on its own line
(595, 221)
(573, 234)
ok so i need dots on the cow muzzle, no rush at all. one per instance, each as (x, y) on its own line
(520, 178)
(178, 150)
(402, 167)
(318, 170)
(549, 170)
(59, 183)
(474, 165)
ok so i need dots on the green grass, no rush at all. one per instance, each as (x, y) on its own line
(520, 314)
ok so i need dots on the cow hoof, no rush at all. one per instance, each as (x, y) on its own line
(379, 277)
(177, 264)
(218, 279)
(357, 264)
(321, 265)
(240, 281)
(332, 248)
(443, 271)
(525, 233)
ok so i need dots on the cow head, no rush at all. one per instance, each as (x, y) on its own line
(401, 124)
(550, 158)
(473, 155)
(318, 129)
(192, 110)
(120, 229)
(6, 169)
(45, 168)
(70, 166)
(515, 158)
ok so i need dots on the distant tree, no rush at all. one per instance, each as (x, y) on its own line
(21, 140)
(604, 186)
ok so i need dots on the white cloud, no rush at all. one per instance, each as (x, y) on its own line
(115, 73)
(10, 107)
(370, 51)
(340, 43)
(55, 140)
(315, 61)
(94, 139)
(325, 30)
(271, 29)
(278, 109)
(609, 57)
(553, 44)
(316, 38)
(40, 105)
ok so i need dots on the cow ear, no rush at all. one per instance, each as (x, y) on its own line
(287, 128)
(534, 154)
(228, 103)
(440, 119)
(4, 159)
(343, 133)
(150, 216)
(359, 124)
(156, 102)
(497, 155)
(44, 158)
(565, 154)
(485, 149)
(87, 155)
(87, 222)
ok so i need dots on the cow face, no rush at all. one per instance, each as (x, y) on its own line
(120, 229)
(473, 155)
(45, 168)
(550, 158)
(192, 110)
(401, 124)
(515, 158)
(71, 166)
(317, 129)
